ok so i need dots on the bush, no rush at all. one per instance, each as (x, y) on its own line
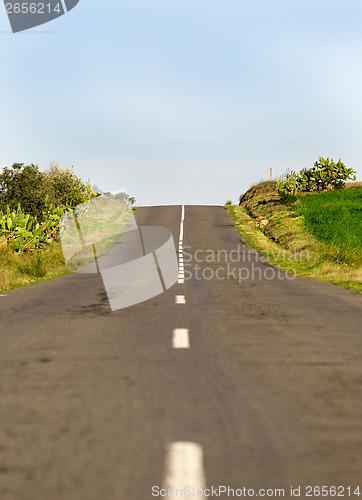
(122, 196)
(23, 232)
(65, 188)
(325, 174)
(23, 184)
(33, 202)
(35, 191)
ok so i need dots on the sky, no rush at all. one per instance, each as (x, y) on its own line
(184, 101)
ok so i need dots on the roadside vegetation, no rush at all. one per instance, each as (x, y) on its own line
(316, 231)
(20, 269)
(31, 206)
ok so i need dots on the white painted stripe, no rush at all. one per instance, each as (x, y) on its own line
(180, 338)
(180, 299)
(181, 270)
(184, 467)
(182, 222)
(181, 281)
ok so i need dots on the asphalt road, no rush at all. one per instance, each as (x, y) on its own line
(269, 390)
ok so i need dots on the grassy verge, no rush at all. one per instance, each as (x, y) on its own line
(279, 228)
(18, 270)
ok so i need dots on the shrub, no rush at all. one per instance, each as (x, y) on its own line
(22, 231)
(33, 202)
(35, 191)
(23, 184)
(325, 174)
(65, 188)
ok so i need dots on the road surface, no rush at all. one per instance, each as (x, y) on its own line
(252, 383)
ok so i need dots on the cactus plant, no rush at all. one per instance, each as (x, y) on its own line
(23, 232)
(324, 174)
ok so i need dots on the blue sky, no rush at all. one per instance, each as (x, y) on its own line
(184, 101)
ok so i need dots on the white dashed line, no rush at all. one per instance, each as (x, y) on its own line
(181, 338)
(181, 269)
(184, 467)
(180, 299)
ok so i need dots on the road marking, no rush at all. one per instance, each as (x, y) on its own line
(180, 338)
(184, 467)
(181, 270)
(180, 299)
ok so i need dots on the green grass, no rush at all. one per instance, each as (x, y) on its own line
(335, 218)
(19, 270)
(319, 235)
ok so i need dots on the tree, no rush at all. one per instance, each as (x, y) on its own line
(23, 184)
(41, 193)
(35, 191)
(65, 188)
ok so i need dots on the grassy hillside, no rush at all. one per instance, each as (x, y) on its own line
(318, 235)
